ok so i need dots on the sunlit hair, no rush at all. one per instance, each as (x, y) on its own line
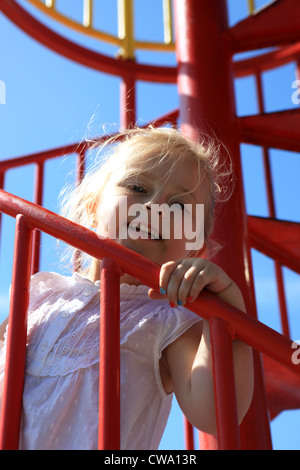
(131, 149)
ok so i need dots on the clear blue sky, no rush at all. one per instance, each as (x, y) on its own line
(51, 102)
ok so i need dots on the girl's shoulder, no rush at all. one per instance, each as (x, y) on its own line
(50, 284)
(53, 294)
(146, 320)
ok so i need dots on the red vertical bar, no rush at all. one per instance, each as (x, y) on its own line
(16, 342)
(224, 386)
(272, 213)
(207, 441)
(109, 368)
(188, 435)
(2, 176)
(207, 104)
(80, 166)
(80, 169)
(38, 199)
(127, 102)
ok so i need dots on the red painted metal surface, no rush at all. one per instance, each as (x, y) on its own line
(275, 25)
(109, 360)
(188, 435)
(224, 386)
(207, 104)
(81, 54)
(278, 239)
(127, 101)
(258, 64)
(16, 341)
(282, 387)
(205, 83)
(279, 130)
(246, 327)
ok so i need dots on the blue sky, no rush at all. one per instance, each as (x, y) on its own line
(51, 102)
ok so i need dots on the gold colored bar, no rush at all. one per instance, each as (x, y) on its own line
(55, 15)
(50, 4)
(155, 46)
(48, 9)
(251, 6)
(87, 13)
(167, 16)
(126, 28)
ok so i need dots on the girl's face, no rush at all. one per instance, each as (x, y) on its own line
(150, 187)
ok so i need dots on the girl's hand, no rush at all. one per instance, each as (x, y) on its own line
(182, 281)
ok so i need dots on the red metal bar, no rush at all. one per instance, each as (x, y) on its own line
(224, 386)
(109, 366)
(278, 130)
(207, 441)
(270, 60)
(78, 147)
(277, 24)
(80, 165)
(127, 101)
(188, 435)
(278, 239)
(207, 103)
(246, 327)
(2, 177)
(80, 169)
(272, 213)
(38, 199)
(16, 341)
(83, 55)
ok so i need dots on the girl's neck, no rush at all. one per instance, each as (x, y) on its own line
(94, 274)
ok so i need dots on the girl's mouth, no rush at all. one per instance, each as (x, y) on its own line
(143, 231)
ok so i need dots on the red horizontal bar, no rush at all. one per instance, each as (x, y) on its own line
(267, 61)
(82, 55)
(280, 130)
(79, 147)
(278, 239)
(276, 24)
(247, 328)
(40, 157)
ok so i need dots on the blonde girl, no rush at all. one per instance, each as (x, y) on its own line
(165, 348)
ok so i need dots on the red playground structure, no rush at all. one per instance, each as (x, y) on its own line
(205, 72)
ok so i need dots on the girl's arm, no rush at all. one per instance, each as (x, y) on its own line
(188, 360)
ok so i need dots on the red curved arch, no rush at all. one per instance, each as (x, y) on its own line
(82, 55)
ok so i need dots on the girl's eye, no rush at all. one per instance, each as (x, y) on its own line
(137, 188)
(179, 204)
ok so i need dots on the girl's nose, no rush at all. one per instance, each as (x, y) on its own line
(157, 198)
(156, 206)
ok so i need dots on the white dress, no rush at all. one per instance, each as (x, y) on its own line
(60, 399)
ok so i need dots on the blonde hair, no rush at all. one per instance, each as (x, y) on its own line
(132, 147)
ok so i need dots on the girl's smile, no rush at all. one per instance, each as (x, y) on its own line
(152, 190)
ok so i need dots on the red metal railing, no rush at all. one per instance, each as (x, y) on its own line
(39, 159)
(223, 319)
(205, 86)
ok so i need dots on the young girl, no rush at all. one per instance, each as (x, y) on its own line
(165, 348)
